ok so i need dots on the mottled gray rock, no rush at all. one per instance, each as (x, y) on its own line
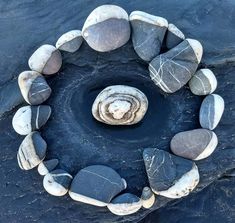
(148, 32)
(57, 182)
(96, 185)
(147, 197)
(47, 166)
(211, 111)
(30, 118)
(174, 36)
(203, 82)
(172, 70)
(32, 151)
(33, 87)
(195, 144)
(106, 28)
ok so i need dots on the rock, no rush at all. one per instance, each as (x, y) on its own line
(170, 176)
(195, 144)
(148, 32)
(174, 36)
(30, 118)
(70, 41)
(120, 105)
(147, 197)
(47, 166)
(211, 111)
(106, 28)
(33, 87)
(96, 185)
(32, 151)
(125, 204)
(46, 60)
(203, 82)
(57, 182)
(172, 70)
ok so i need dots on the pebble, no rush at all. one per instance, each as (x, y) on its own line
(33, 87)
(107, 28)
(47, 166)
(174, 36)
(203, 82)
(125, 204)
(120, 105)
(70, 41)
(170, 176)
(30, 118)
(172, 70)
(57, 182)
(32, 151)
(147, 197)
(211, 111)
(148, 32)
(195, 144)
(96, 185)
(46, 60)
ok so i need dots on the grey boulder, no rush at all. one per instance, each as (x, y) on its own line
(174, 36)
(47, 166)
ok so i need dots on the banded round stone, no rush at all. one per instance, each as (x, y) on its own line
(174, 36)
(147, 197)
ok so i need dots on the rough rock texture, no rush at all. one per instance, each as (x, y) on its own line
(22, 194)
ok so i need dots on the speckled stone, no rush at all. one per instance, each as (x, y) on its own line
(147, 197)
(47, 166)
(174, 36)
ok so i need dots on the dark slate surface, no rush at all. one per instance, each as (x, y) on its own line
(77, 140)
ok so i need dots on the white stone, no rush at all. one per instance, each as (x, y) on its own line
(197, 48)
(42, 170)
(211, 77)
(172, 28)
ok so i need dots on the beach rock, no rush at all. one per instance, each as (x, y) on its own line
(211, 111)
(195, 144)
(174, 36)
(148, 32)
(96, 185)
(47, 166)
(120, 105)
(172, 70)
(203, 82)
(125, 204)
(170, 176)
(147, 197)
(57, 182)
(33, 87)
(46, 60)
(106, 28)
(70, 41)
(30, 118)
(32, 151)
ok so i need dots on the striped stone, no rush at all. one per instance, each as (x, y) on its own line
(47, 166)
(174, 36)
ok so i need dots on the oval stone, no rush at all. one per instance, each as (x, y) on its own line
(147, 197)
(47, 166)
(174, 36)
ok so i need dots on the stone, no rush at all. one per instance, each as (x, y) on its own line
(147, 197)
(70, 41)
(211, 111)
(30, 118)
(172, 70)
(174, 36)
(148, 32)
(57, 182)
(96, 185)
(46, 60)
(32, 151)
(125, 204)
(203, 82)
(120, 105)
(106, 28)
(195, 144)
(47, 166)
(170, 176)
(33, 87)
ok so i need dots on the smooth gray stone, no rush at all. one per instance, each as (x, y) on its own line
(47, 166)
(174, 36)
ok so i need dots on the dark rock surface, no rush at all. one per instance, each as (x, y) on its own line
(76, 139)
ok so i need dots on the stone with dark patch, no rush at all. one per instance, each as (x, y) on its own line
(174, 36)
(47, 166)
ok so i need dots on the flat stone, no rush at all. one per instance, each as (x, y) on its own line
(32, 151)
(170, 176)
(174, 36)
(211, 111)
(106, 28)
(33, 87)
(195, 144)
(30, 118)
(46, 60)
(125, 204)
(148, 32)
(47, 166)
(96, 185)
(172, 70)
(147, 197)
(203, 82)
(70, 41)
(57, 182)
